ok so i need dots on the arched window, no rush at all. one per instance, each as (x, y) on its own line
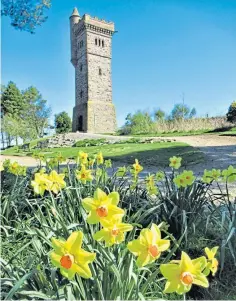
(99, 42)
(81, 67)
(96, 41)
(102, 43)
(100, 71)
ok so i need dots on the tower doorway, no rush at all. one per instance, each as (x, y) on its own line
(80, 123)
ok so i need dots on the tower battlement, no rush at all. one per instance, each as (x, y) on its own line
(91, 52)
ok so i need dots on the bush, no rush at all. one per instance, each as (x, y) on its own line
(231, 115)
(63, 123)
(90, 142)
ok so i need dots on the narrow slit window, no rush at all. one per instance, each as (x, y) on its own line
(100, 71)
(96, 41)
(102, 43)
(81, 67)
(81, 94)
(99, 42)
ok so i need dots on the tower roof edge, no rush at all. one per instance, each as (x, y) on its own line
(75, 12)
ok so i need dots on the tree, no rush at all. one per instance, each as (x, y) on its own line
(231, 115)
(182, 111)
(63, 123)
(140, 122)
(159, 115)
(12, 102)
(25, 14)
(36, 112)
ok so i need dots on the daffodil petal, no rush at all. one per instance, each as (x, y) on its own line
(81, 270)
(171, 287)
(120, 237)
(55, 258)
(136, 247)
(58, 245)
(114, 210)
(200, 263)
(68, 273)
(99, 194)
(89, 204)
(115, 198)
(170, 271)
(101, 235)
(156, 233)
(146, 237)
(182, 289)
(214, 250)
(186, 262)
(84, 257)
(201, 280)
(74, 242)
(93, 218)
(124, 227)
(163, 245)
(144, 259)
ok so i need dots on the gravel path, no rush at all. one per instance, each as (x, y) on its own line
(219, 151)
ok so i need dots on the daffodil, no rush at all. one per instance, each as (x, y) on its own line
(160, 175)
(13, 167)
(108, 163)
(229, 174)
(70, 257)
(40, 183)
(188, 176)
(91, 162)
(213, 263)
(100, 159)
(52, 162)
(137, 168)
(60, 158)
(181, 275)
(210, 175)
(180, 181)
(83, 157)
(84, 175)
(149, 246)
(57, 181)
(150, 185)
(113, 231)
(175, 162)
(102, 206)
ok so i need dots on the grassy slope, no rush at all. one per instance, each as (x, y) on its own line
(154, 154)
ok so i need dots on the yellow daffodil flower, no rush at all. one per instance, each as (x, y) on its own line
(150, 185)
(175, 162)
(210, 175)
(102, 206)
(100, 159)
(160, 175)
(57, 181)
(180, 181)
(229, 174)
(188, 176)
(181, 275)
(213, 263)
(83, 157)
(60, 158)
(70, 257)
(137, 168)
(91, 162)
(149, 246)
(52, 162)
(40, 183)
(108, 163)
(84, 175)
(113, 231)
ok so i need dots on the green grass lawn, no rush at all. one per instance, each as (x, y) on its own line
(153, 154)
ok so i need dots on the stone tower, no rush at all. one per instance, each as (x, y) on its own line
(91, 40)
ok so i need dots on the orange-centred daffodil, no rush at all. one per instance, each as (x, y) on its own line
(84, 174)
(137, 168)
(100, 159)
(113, 231)
(229, 174)
(57, 181)
(210, 175)
(102, 206)
(83, 157)
(212, 264)
(148, 246)
(175, 162)
(182, 274)
(70, 258)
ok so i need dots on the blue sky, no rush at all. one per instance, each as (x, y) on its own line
(162, 48)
